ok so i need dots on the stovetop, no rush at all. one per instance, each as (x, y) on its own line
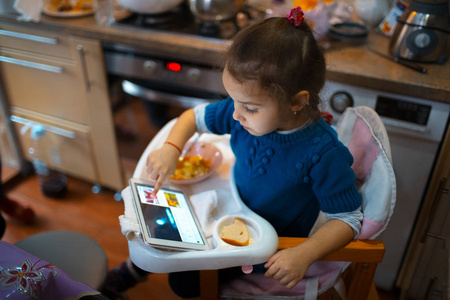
(179, 20)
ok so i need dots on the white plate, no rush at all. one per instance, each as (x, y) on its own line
(51, 10)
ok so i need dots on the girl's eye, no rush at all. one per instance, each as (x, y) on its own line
(250, 111)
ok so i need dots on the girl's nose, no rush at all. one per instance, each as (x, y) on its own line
(236, 115)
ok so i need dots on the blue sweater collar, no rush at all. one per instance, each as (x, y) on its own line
(306, 132)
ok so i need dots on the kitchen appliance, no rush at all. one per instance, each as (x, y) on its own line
(415, 128)
(180, 20)
(214, 11)
(150, 6)
(422, 32)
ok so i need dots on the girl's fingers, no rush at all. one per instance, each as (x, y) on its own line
(158, 184)
(291, 284)
(271, 272)
(281, 276)
(284, 280)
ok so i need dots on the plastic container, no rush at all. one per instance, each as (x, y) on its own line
(52, 183)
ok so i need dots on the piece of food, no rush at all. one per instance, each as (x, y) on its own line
(72, 5)
(236, 234)
(191, 167)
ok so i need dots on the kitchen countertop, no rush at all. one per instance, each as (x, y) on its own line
(346, 63)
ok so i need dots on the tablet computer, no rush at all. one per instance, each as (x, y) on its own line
(166, 219)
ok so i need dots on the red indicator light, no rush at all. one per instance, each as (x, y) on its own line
(173, 66)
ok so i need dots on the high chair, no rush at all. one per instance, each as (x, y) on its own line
(362, 130)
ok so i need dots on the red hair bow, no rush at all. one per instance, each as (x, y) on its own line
(295, 16)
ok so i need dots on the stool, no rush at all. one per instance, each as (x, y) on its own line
(80, 256)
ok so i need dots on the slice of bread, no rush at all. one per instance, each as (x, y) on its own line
(235, 234)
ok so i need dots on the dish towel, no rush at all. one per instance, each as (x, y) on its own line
(30, 10)
(204, 205)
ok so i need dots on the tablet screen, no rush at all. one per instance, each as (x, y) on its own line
(166, 215)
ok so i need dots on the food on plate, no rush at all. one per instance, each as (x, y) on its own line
(236, 234)
(72, 5)
(191, 167)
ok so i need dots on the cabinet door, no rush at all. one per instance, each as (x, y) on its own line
(431, 278)
(91, 68)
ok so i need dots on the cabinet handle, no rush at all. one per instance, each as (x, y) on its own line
(29, 37)
(55, 130)
(84, 67)
(30, 64)
(429, 287)
(426, 228)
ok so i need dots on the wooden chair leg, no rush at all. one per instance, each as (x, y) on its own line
(209, 284)
(362, 280)
(373, 294)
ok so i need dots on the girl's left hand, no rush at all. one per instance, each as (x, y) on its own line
(287, 266)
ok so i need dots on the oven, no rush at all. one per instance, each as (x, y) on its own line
(162, 79)
(415, 128)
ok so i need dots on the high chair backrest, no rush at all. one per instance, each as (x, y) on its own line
(363, 132)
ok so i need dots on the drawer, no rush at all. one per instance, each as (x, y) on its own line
(73, 144)
(37, 41)
(45, 86)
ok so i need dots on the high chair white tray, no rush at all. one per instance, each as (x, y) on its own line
(263, 237)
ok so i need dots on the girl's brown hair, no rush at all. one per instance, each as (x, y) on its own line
(282, 58)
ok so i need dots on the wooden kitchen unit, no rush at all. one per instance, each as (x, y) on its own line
(58, 80)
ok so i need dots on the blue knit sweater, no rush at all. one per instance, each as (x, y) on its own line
(288, 178)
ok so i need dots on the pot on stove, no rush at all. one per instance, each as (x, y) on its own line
(150, 6)
(214, 11)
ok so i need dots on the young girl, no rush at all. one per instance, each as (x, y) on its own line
(289, 162)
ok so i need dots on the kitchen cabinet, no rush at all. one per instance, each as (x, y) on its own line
(426, 269)
(58, 80)
(9, 150)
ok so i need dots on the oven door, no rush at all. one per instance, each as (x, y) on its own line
(168, 96)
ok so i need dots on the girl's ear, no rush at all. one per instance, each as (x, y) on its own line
(299, 101)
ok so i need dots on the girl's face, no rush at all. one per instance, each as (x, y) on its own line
(257, 112)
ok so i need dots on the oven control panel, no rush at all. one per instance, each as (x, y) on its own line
(402, 114)
(132, 64)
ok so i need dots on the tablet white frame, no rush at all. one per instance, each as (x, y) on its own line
(163, 243)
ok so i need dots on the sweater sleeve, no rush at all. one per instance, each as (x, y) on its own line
(333, 180)
(219, 116)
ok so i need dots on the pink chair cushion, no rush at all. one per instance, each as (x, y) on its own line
(257, 284)
(364, 149)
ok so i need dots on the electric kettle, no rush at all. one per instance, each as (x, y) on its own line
(422, 33)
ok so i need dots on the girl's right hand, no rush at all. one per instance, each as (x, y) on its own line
(161, 164)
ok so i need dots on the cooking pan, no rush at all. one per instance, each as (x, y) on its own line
(150, 6)
(214, 11)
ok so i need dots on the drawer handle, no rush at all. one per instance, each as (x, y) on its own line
(30, 64)
(87, 85)
(55, 130)
(29, 37)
